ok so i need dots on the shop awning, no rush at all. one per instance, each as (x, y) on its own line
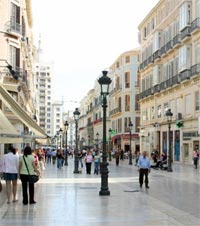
(21, 114)
(8, 133)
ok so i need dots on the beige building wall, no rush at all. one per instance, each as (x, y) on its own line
(123, 101)
(170, 77)
(16, 44)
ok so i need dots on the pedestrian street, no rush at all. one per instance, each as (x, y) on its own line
(65, 198)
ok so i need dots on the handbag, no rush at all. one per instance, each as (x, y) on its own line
(32, 178)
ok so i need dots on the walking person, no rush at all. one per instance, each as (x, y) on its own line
(41, 159)
(88, 161)
(60, 158)
(195, 158)
(144, 169)
(10, 167)
(54, 156)
(24, 175)
(96, 162)
(80, 156)
(117, 155)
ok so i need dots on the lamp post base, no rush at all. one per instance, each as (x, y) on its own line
(76, 171)
(169, 170)
(104, 193)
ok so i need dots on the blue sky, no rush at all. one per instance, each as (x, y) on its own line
(83, 38)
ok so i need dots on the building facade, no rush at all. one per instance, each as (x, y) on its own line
(43, 91)
(169, 73)
(123, 102)
(16, 75)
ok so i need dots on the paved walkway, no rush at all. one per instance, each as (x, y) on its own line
(64, 198)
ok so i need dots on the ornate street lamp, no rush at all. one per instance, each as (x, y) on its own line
(97, 135)
(169, 115)
(57, 139)
(76, 118)
(130, 154)
(104, 82)
(66, 152)
(110, 144)
(60, 134)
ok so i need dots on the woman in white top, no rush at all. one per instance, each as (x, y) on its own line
(10, 166)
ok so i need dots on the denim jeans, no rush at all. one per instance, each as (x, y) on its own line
(96, 167)
(59, 163)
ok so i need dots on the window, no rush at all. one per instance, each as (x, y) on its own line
(58, 115)
(159, 111)
(144, 115)
(127, 59)
(197, 8)
(184, 58)
(152, 113)
(127, 102)
(145, 33)
(179, 105)
(156, 75)
(197, 101)
(166, 107)
(119, 125)
(15, 18)
(184, 15)
(188, 104)
(57, 109)
(197, 55)
(127, 79)
(157, 41)
(126, 124)
(15, 58)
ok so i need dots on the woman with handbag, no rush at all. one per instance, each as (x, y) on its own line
(27, 167)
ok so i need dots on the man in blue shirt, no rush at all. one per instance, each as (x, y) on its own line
(144, 169)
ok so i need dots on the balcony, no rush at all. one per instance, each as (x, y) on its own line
(157, 55)
(141, 66)
(157, 88)
(127, 108)
(145, 63)
(185, 34)
(185, 75)
(13, 27)
(150, 60)
(115, 111)
(116, 89)
(163, 50)
(177, 41)
(175, 79)
(195, 26)
(195, 70)
(169, 46)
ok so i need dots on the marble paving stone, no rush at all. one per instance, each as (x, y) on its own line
(64, 198)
